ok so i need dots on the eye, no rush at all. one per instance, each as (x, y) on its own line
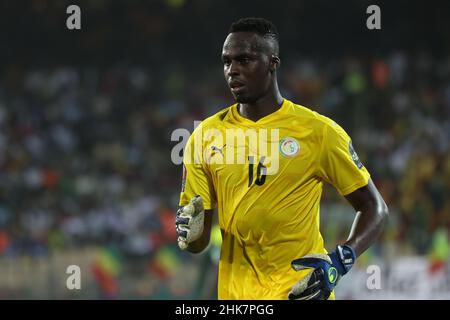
(244, 60)
(226, 62)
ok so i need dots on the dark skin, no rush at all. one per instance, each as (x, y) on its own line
(250, 64)
(252, 61)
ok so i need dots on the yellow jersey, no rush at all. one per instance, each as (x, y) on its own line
(265, 178)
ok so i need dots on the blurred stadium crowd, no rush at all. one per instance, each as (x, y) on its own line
(85, 150)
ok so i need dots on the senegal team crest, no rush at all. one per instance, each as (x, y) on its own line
(289, 147)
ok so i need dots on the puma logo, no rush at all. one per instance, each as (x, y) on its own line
(214, 149)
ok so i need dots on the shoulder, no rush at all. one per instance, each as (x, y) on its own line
(319, 123)
(212, 122)
(216, 119)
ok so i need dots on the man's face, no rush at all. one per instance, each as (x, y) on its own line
(246, 66)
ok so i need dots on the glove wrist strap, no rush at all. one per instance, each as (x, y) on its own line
(347, 257)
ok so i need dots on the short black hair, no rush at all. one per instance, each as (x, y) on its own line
(261, 26)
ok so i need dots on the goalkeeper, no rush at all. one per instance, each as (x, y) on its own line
(272, 247)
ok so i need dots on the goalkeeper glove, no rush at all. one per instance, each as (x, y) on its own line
(327, 271)
(189, 222)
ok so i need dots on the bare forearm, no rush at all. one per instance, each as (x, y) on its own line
(366, 228)
(369, 221)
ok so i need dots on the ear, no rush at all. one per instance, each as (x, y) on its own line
(274, 63)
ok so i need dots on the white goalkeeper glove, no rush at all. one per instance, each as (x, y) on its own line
(190, 222)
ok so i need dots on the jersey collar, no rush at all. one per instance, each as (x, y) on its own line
(238, 118)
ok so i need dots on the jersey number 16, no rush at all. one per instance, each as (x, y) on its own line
(261, 171)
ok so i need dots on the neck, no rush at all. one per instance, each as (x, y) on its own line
(262, 107)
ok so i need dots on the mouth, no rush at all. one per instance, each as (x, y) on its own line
(236, 86)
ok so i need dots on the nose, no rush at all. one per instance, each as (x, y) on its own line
(233, 69)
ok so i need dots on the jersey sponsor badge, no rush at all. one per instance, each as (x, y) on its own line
(355, 157)
(289, 147)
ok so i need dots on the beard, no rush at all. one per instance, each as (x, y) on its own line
(244, 99)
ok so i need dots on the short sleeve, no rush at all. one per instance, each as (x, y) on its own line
(338, 162)
(196, 179)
